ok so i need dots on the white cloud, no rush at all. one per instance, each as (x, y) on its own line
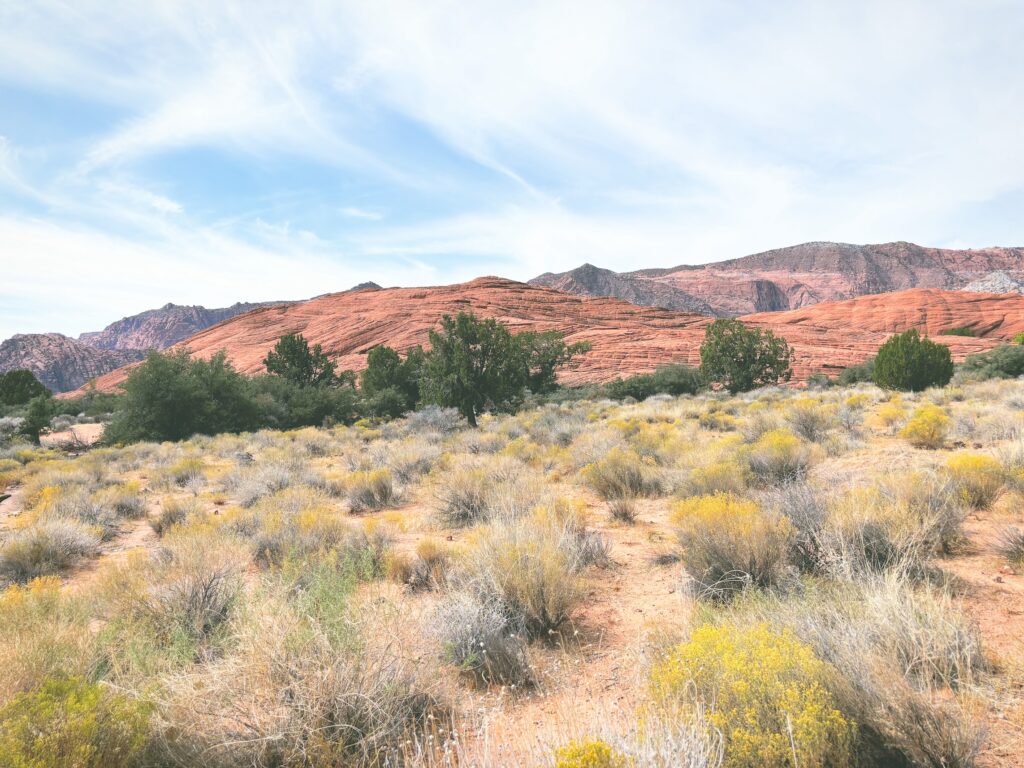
(360, 213)
(501, 137)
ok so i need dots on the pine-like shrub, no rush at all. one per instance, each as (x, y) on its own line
(911, 363)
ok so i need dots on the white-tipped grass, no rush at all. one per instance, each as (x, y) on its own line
(44, 548)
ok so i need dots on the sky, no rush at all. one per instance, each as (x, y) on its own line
(211, 152)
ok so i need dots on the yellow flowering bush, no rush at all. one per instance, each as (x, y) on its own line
(185, 471)
(767, 694)
(590, 754)
(891, 413)
(622, 474)
(726, 475)
(927, 428)
(73, 723)
(729, 542)
(372, 489)
(978, 476)
(778, 456)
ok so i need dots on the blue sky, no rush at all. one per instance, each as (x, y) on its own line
(206, 152)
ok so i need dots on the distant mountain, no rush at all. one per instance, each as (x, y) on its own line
(63, 363)
(793, 277)
(60, 362)
(162, 328)
(589, 280)
(995, 282)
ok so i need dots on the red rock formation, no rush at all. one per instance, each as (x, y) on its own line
(626, 338)
(793, 277)
(60, 362)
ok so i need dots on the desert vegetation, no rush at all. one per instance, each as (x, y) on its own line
(776, 577)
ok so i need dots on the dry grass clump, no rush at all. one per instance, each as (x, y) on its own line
(181, 595)
(767, 693)
(1010, 545)
(927, 428)
(932, 503)
(309, 682)
(371, 490)
(320, 533)
(980, 478)
(806, 508)
(622, 474)
(174, 512)
(46, 547)
(777, 457)
(188, 472)
(623, 511)
(481, 640)
(726, 475)
(480, 490)
(427, 571)
(44, 632)
(530, 567)
(730, 543)
(810, 419)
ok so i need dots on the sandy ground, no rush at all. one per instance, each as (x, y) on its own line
(596, 668)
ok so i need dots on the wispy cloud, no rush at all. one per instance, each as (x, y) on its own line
(224, 151)
(360, 213)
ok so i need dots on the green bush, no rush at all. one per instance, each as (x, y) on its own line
(1004, 362)
(73, 724)
(856, 374)
(390, 385)
(668, 379)
(19, 386)
(911, 363)
(292, 359)
(172, 397)
(961, 331)
(741, 358)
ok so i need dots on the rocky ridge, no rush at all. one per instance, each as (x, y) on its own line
(626, 338)
(794, 277)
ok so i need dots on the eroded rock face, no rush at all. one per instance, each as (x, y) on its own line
(795, 277)
(161, 328)
(626, 338)
(60, 362)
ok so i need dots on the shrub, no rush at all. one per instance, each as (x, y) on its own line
(979, 477)
(810, 419)
(73, 723)
(1010, 544)
(729, 543)
(49, 546)
(855, 374)
(477, 637)
(910, 363)
(463, 496)
(171, 397)
(768, 693)
(804, 506)
(173, 512)
(19, 386)
(669, 379)
(742, 358)
(185, 472)
(959, 331)
(623, 511)
(727, 476)
(927, 428)
(294, 360)
(591, 754)
(44, 632)
(374, 489)
(530, 567)
(778, 457)
(622, 474)
(1003, 362)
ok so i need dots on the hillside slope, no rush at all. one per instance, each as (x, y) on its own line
(795, 277)
(162, 328)
(626, 338)
(60, 362)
